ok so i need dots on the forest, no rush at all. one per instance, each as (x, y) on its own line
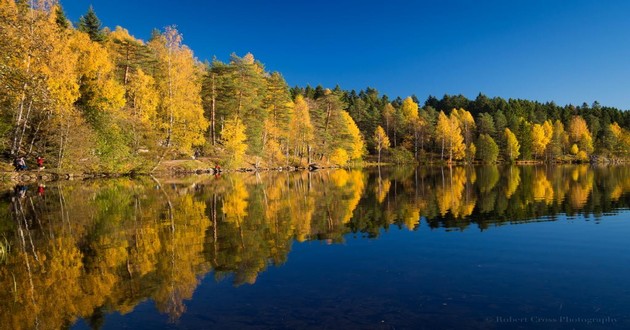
(93, 99)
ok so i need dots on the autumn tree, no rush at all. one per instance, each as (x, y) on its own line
(559, 140)
(466, 124)
(409, 123)
(233, 139)
(301, 129)
(579, 134)
(142, 102)
(351, 138)
(541, 136)
(39, 77)
(381, 141)
(512, 150)
(449, 133)
(619, 141)
(178, 78)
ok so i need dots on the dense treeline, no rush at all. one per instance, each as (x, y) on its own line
(96, 99)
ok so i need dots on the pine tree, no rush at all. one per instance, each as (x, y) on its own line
(487, 149)
(90, 24)
(279, 107)
(60, 18)
(249, 92)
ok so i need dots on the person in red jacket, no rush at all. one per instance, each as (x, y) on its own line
(40, 162)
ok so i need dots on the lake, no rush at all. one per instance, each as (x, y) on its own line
(396, 248)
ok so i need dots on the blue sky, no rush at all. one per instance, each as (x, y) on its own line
(565, 51)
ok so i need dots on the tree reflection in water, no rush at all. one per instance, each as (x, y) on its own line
(84, 249)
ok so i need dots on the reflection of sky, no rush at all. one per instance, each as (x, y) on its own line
(431, 278)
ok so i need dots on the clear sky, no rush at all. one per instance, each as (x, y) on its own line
(569, 51)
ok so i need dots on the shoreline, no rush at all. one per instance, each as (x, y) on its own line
(47, 176)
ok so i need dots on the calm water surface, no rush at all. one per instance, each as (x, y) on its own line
(404, 248)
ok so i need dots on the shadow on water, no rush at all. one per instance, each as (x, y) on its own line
(82, 250)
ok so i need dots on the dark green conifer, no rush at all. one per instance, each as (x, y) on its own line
(90, 24)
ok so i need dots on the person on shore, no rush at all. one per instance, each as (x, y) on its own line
(20, 191)
(41, 188)
(40, 162)
(21, 164)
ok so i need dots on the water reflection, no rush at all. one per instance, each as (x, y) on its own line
(86, 249)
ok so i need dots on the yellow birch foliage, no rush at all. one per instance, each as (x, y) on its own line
(233, 138)
(273, 139)
(580, 134)
(466, 124)
(456, 140)
(541, 136)
(409, 110)
(339, 157)
(381, 141)
(95, 68)
(355, 146)
(143, 98)
(178, 78)
(512, 150)
(448, 131)
(37, 70)
(301, 129)
(63, 83)
(621, 138)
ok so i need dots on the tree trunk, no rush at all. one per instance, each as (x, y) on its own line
(166, 149)
(15, 147)
(26, 118)
(415, 144)
(212, 115)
